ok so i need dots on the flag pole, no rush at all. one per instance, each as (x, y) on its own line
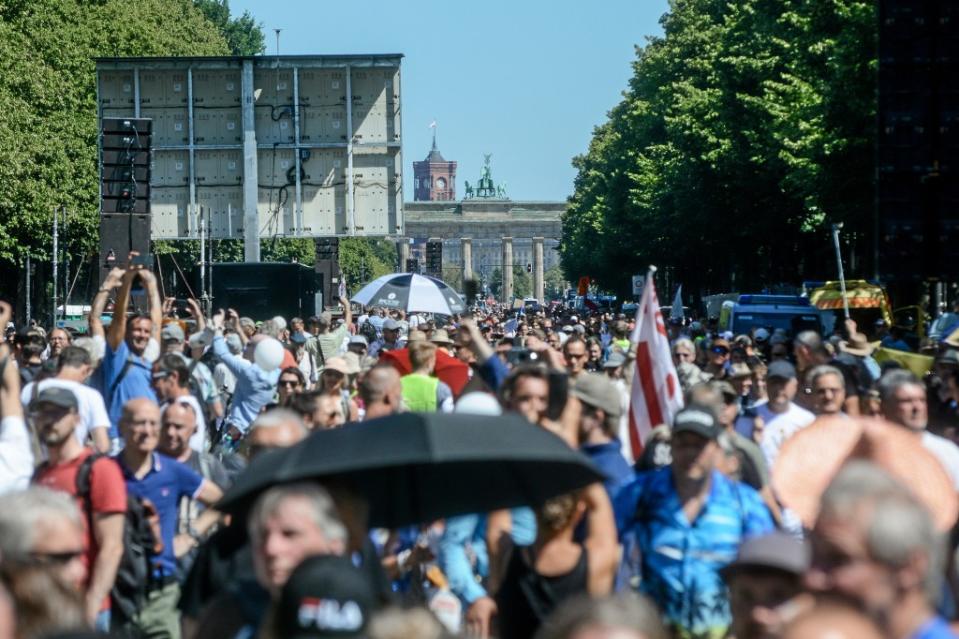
(842, 278)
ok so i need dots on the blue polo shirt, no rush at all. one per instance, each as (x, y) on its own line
(164, 484)
(135, 382)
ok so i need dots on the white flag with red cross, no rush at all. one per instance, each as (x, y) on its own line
(655, 395)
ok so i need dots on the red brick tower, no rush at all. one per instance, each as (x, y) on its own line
(434, 179)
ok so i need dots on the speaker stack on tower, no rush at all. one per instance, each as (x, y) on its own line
(434, 258)
(918, 147)
(124, 190)
(328, 268)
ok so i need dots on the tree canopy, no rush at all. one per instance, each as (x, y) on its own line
(745, 131)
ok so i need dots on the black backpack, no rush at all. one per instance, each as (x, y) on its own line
(368, 331)
(141, 544)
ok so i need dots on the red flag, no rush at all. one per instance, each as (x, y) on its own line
(655, 395)
(583, 286)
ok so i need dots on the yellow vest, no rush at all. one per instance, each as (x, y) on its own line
(419, 392)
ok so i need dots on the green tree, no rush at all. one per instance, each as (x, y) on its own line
(553, 282)
(522, 282)
(362, 260)
(745, 130)
(243, 35)
(496, 282)
(48, 108)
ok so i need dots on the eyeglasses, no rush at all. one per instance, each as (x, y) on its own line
(720, 350)
(55, 558)
(289, 382)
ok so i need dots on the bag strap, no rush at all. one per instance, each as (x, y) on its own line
(123, 373)
(84, 487)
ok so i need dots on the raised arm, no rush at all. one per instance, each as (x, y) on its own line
(113, 279)
(233, 319)
(197, 314)
(118, 327)
(154, 305)
(10, 405)
(347, 313)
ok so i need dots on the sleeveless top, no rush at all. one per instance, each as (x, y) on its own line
(526, 597)
(419, 392)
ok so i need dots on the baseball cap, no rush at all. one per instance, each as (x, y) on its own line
(597, 391)
(781, 368)
(201, 339)
(172, 332)
(234, 343)
(326, 596)
(62, 397)
(359, 339)
(761, 335)
(579, 328)
(567, 329)
(298, 338)
(775, 551)
(615, 360)
(246, 321)
(696, 418)
(325, 318)
(390, 324)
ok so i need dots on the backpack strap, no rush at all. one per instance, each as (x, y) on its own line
(84, 486)
(123, 373)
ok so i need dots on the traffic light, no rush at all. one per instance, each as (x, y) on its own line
(434, 258)
(529, 267)
(412, 265)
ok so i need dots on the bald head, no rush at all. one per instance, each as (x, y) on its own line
(277, 428)
(381, 391)
(832, 621)
(179, 424)
(140, 426)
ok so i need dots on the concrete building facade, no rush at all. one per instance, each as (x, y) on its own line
(485, 223)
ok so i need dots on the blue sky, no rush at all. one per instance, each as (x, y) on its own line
(525, 80)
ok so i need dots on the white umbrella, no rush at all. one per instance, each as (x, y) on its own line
(411, 292)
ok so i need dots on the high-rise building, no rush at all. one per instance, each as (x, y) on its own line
(434, 179)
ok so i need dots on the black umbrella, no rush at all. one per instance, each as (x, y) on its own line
(419, 467)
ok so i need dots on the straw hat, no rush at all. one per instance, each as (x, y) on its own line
(440, 336)
(811, 458)
(857, 345)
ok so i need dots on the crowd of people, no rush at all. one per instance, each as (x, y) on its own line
(117, 443)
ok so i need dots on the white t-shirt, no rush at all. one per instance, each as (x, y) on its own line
(946, 452)
(90, 406)
(16, 457)
(779, 427)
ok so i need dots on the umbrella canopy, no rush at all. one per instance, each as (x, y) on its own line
(811, 458)
(419, 467)
(449, 370)
(411, 292)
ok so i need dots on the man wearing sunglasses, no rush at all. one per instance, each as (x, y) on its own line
(55, 417)
(717, 358)
(44, 528)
